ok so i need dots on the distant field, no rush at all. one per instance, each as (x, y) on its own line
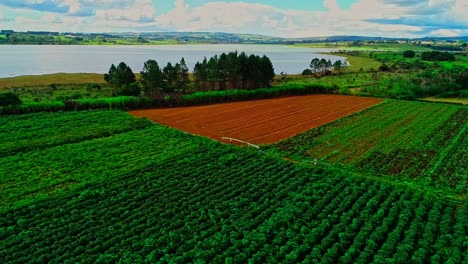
(158, 195)
(48, 79)
(463, 101)
(369, 47)
(423, 141)
(358, 62)
(260, 121)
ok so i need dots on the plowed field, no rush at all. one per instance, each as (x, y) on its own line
(259, 121)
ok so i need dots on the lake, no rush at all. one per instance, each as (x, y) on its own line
(42, 59)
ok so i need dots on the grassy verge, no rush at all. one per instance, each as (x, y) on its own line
(367, 47)
(169, 100)
(49, 79)
(463, 101)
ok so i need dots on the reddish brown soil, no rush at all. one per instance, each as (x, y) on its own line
(260, 121)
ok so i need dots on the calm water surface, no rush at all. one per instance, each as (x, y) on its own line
(42, 59)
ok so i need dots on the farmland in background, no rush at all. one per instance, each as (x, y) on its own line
(413, 141)
(154, 194)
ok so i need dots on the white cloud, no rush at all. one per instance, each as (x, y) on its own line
(256, 18)
(448, 32)
(139, 10)
(400, 18)
(217, 16)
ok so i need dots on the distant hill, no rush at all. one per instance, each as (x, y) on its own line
(46, 37)
(220, 37)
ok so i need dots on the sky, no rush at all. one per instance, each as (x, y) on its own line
(280, 18)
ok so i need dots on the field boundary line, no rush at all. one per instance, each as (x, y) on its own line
(241, 141)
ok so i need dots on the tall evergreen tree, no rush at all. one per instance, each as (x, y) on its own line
(233, 70)
(200, 73)
(169, 78)
(267, 72)
(213, 72)
(182, 72)
(243, 69)
(120, 76)
(222, 71)
(151, 77)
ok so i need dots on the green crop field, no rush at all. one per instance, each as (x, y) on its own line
(415, 141)
(110, 188)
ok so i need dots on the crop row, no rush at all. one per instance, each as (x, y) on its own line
(256, 209)
(160, 195)
(408, 139)
(21, 133)
(36, 174)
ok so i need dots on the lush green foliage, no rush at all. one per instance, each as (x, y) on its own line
(21, 133)
(171, 99)
(9, 99)
(151, 77)
(322, 66)
(175, 77)
(122, 78)
(409, 54)
(422, 83)
(437, 56)
(422, 142)
(160, 195)
(233, 71)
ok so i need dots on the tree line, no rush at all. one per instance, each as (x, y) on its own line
(233, 70)
(226, 71)
(322, 66)
(153, 78)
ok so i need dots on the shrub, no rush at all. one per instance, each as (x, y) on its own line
(384, 68)
(132, 89)
(7, 99)
(408, 54)
(307, 72)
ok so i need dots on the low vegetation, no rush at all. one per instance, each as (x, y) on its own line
(416, 142)
(157, 194)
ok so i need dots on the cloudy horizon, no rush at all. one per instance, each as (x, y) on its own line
(382, 18)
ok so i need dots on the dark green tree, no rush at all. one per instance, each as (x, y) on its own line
(253, 72)
(242, 60)
(222, 71)
(132, 89)
(151, 77)
(169, 78)
(337, 65)
(182, 73)
(322, 65)
(233, 70)
(213, 72)
(7, 99)
(200, 73)
(409, 54)
(307, 72)
(315, 65)
(267, 72)
(120, 76)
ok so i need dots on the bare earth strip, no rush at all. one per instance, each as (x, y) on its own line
(260, 121)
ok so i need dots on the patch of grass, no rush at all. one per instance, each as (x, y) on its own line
(463, 101)
(358, 62)
(48, 79)
(367, 46)
(57, 86)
